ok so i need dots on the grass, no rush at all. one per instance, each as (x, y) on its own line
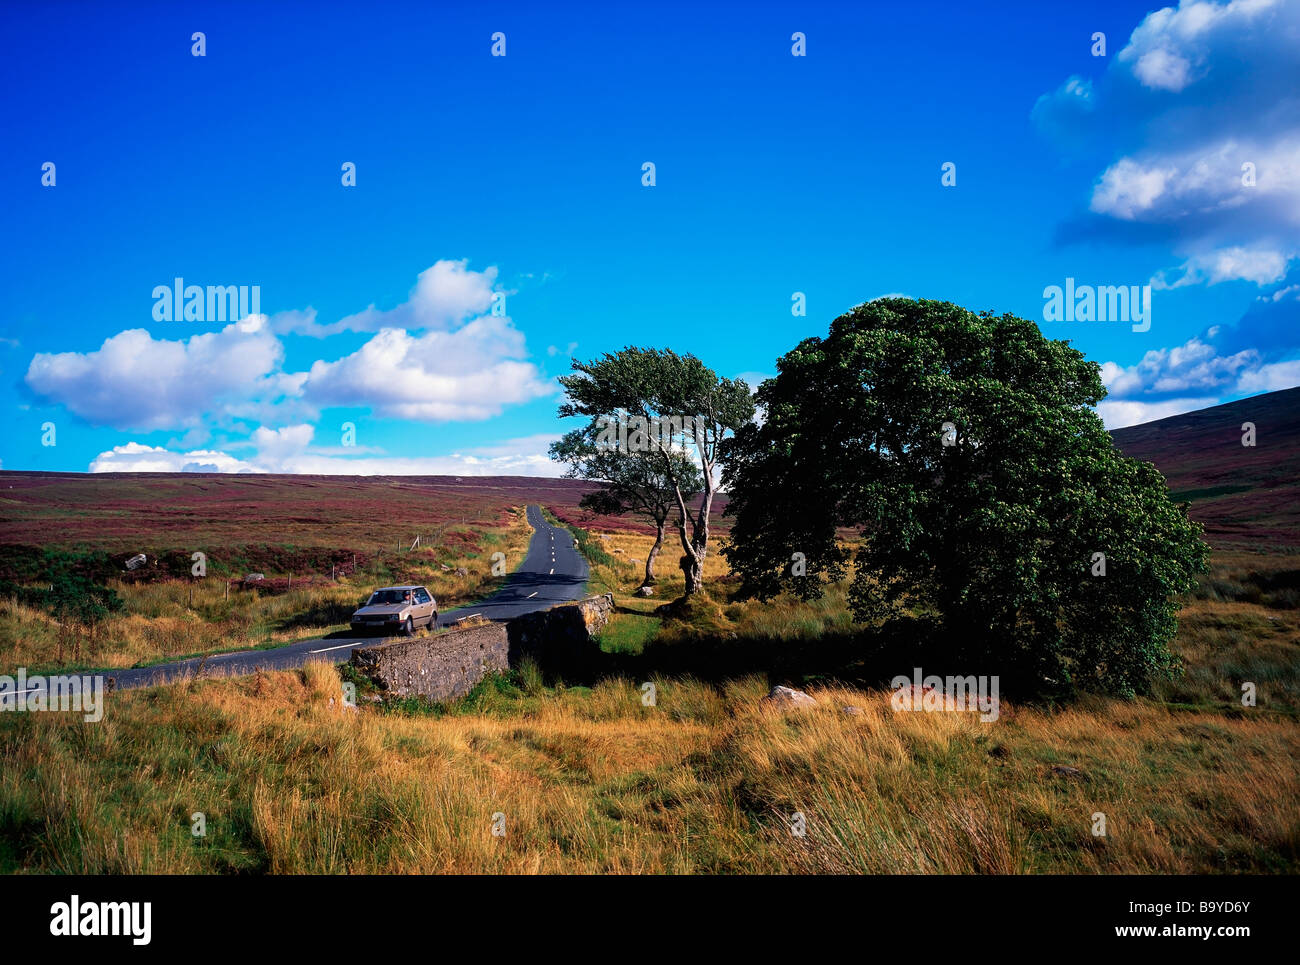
(707, 779)
(161, 623)
(591, 780)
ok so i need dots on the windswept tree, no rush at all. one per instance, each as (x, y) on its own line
(635, 482)
(664, 404)
(996, 513)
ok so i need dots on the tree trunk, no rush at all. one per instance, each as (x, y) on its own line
(693, 570)
(653, 555)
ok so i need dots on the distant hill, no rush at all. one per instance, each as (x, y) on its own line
(1247, 497)
(154, 512)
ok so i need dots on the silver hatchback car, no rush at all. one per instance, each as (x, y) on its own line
(393, 609)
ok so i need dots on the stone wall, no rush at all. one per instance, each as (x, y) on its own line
(448, 665)
(438, 667)
(563, 637)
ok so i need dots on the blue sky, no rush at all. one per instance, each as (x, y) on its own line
(522, 175)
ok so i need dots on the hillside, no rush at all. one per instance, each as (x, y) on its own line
(1247, 497)
(120, 511)
(130, 512)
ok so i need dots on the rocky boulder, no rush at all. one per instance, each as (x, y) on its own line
(789, 697)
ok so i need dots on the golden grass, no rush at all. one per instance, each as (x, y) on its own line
(172, 619)
(591, 781)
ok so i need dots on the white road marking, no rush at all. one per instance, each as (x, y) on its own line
(328, 649)
(531, 595)
(552, 569)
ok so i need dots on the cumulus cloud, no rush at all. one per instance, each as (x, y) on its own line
(470, 373)
(445, 294)
(1222, 363)
(274, 446)
(453, 371)
(1118, 413)
(1262, 266)
(1201, 112)
(1271, 377)
(135, 381)
(1173, 47)
(1193, 367)
(1206, 184)
(134, 457)
(288, 450)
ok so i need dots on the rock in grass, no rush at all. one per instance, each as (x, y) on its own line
(1064, 770)
(645, 591)
(789, 697)
(851, 710)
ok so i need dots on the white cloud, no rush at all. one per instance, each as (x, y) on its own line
(1162, 187)
(444, 294)
(1262, 266)
(1194, 366)
(288, 451)
(1127, 189)
(1289, 291)
(1162, 69)
(1116, 413)
(136, 381)
(471, 373)
(1172, 47)
(1191, 376)
(134, 457)
(296, 322)
(1201, 112)
(274, 446)
(1270, 378)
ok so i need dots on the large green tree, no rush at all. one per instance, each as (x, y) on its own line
(631, 482)
(661, 388)
(995, 510)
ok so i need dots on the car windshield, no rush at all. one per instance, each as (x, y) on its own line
(380, 597)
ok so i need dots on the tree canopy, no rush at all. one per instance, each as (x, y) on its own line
(662, 388)
(993, 506)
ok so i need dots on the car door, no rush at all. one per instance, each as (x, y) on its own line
(425, 603)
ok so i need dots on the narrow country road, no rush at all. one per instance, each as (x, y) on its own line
(552, 572)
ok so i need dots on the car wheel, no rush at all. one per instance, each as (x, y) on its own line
(408, 628)
(433, 620)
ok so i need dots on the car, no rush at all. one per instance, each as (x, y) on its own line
(397, 608)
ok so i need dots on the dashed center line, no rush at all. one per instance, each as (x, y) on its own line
(531, 595)
(552, 569)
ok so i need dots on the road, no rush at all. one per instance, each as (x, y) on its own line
(552, 572)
